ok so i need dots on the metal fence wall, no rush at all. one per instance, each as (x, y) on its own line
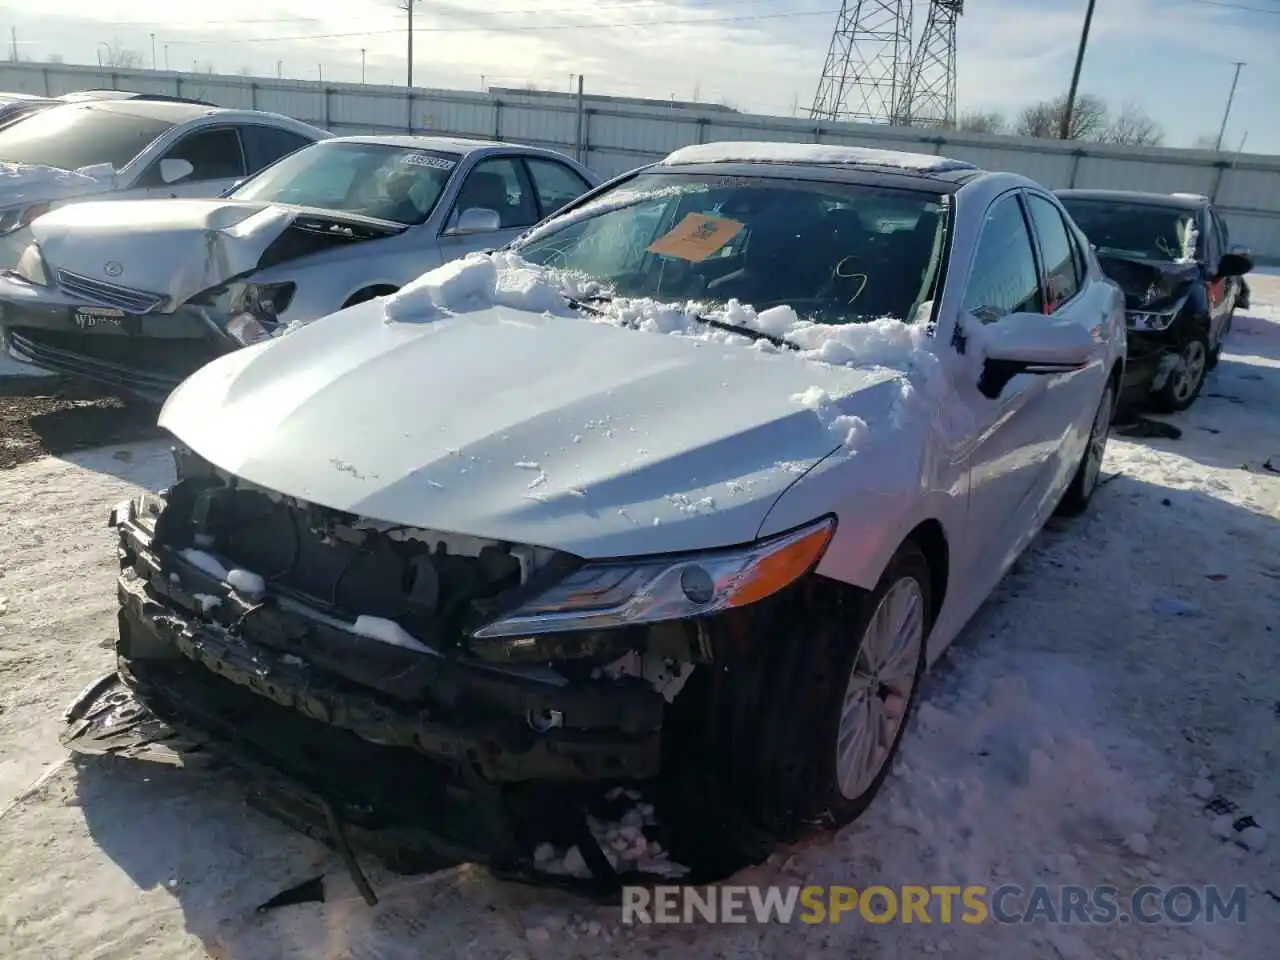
(612, 135)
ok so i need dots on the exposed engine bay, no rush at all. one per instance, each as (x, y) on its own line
(308, 644)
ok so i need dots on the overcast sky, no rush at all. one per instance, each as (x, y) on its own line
(1171, 57)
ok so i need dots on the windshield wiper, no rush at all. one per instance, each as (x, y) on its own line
(587, 305)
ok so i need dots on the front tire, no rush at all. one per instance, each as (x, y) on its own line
(1081, 489)
(1186, 380)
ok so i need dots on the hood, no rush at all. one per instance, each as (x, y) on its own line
(26, 183)
(1150, 284)
(530, 428)
(182, 247)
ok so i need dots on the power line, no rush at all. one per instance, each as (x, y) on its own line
(1225, 5)
(531, 28)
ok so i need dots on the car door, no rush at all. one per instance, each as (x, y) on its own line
(499, 184)
(217, 159)
(1221, 291)
(555, 184)
(1013, 436)
(1072, 398)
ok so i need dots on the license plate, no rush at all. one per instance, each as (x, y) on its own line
(93, 318)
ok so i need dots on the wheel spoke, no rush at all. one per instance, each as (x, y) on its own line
(879, 687)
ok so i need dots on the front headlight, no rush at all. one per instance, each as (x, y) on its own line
(30, 266)
(15, 218)
(620, 593)
(1138, 320)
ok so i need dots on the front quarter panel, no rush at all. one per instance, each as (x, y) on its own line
(899, 476)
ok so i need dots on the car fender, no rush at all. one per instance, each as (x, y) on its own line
(879, 495)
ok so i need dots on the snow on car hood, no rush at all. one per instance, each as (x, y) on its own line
(26, 183)
(508, 415)
(178, 247)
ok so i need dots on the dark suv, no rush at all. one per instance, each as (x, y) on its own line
(1171, 255)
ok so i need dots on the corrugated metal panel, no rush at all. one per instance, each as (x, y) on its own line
(293, 100)
(1254, 189)
(1107, 173)
(620, 135)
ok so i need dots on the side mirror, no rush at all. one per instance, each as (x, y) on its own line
(172, 169)
(1029, 343)
(1235, 264)
(476, 220)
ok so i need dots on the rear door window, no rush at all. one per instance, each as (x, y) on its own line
(1061, 270)
(265, 145)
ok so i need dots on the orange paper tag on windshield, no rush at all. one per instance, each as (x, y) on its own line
(696, 237)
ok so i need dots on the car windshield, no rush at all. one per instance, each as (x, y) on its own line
(835, 252)
(1141, 231)
(74, 136)
(394, 183)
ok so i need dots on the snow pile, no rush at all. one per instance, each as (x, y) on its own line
(481, 280)
(849, 430)
(243, 581)
(762, 152)
(624, 844)
(388, 631)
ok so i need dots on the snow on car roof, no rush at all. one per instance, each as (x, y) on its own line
(461, 145)
(814, 153)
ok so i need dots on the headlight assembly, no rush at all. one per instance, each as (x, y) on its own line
(15, 218)
(1137, 320)
(31, 268)
(605, 594)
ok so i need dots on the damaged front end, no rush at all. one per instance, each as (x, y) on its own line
(1158, 296)
(404, 688)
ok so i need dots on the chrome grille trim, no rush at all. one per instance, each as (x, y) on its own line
(108, 294)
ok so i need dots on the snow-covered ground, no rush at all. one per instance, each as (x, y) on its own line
(1129, 654)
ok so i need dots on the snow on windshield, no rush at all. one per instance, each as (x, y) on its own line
(481, 281)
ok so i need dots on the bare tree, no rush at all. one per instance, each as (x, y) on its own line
(245, 71)
(978, 122)
(1206, 141)
(1134, 128)
(1089, 119)
(57, 58)
(115, 54)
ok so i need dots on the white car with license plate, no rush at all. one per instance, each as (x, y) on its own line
(680, 493)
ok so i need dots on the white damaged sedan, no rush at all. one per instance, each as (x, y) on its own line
(670, 502)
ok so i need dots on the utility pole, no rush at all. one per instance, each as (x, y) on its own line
(13, 44)
(166, 56)
(362, 65)
(153, 51)
(320, 71)
(279, 69)
(1222, 131)
(408, 6)
(1064, 131)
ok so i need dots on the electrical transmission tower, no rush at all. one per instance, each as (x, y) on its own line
(866, 72)
(931, 81)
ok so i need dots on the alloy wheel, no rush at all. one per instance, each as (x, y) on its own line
(1190, 370)
(880, 687)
